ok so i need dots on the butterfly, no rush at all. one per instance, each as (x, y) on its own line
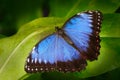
(69, 47)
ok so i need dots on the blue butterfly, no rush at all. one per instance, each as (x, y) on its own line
(69, 47)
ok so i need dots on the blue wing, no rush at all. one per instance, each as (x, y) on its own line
(54, 53)
(51, 53)
(78, 29)
(83, 29)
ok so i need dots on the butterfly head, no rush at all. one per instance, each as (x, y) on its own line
(59, 31)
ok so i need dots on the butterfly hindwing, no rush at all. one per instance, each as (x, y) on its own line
(83, 29)
(54, 53)
(40, 55)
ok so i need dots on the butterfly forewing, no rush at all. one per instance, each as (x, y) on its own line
(83, 29)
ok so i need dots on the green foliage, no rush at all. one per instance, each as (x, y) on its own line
(14, 49)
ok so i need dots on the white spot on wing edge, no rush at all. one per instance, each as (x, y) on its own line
(35, 60)
(90, 12)
(98, 23)
(28, 68)
(28, 60)
(40, 60)
(90, 25)
(98, 19)
(33, 48)
(36, 69)
(99, 16)
(45, 61)
(98, 13)
(73, 69)
(90, 16)
(25, 66)
(46, 69)
(90, 20)
(60, 69)
(41, 69)
(32, 61)
(32, 69)
(78, 13)
(33, 51)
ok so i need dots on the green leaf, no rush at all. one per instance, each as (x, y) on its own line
(109, 58)
(14, 49)
(17, 47)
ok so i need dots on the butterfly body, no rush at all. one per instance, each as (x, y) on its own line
(69, 47)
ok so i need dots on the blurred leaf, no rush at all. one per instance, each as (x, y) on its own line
(15, 13)
(71, 7)
(111, 75)
(111, 28)
(2, 36)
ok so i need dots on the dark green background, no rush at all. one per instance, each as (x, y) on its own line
(20, 18)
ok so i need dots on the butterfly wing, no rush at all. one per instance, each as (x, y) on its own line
(83, 29)
(54, 53)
